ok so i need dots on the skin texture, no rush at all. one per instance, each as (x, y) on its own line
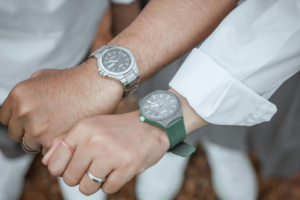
(115, 147)
(115, 20)
(165, 30)
(123, 16)
(53, 101)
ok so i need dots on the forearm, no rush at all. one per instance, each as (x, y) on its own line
(123, 16)
(165, 30)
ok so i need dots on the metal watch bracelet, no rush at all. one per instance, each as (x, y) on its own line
(130, 80)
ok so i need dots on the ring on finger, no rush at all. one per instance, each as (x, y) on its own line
(28, 148)
(67, 146)
(94, 178)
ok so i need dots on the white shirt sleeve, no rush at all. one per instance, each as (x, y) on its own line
(122, 1)
(228, 80)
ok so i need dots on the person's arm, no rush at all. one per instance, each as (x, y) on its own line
(123, 15)
(53, 101)
(254, 50)
(166, 30)
(114, 156)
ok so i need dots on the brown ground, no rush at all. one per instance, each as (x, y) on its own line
(40, 185)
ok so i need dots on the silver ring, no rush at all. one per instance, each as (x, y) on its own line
(93, 178)
(30, 149)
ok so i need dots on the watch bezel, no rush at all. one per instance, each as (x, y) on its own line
(159, 92)
(117, 73)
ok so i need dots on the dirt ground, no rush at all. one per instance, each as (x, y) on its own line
(40, 185)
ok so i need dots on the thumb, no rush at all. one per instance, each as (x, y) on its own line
(55, 144)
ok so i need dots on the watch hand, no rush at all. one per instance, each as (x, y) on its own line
(161, 103)
(158, 108)
(151, 102)
(119, 57)
(114, 61)
(111, 65)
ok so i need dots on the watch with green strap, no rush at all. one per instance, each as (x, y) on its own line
(163, 109)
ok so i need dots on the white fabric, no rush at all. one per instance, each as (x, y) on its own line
(233, 176)
(12, 175)
(252, 52)
(163, 180)
(73, 193)
(45, 34)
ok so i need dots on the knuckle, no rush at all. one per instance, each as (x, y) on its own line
(84, 190)
(23, 110)
(70, 181)
(54, 169)
(96, 140)
(38, 73)
(36, 130)
(18, 91)
(110, 187)
(128, 159)
(79, 127)
(12, 135)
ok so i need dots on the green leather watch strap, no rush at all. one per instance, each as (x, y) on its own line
(177, 134)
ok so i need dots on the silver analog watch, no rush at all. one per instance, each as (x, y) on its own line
(118, 63)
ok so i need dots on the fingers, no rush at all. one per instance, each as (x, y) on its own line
(117, 179)
(5, 112)
(15, 130)
(99, 169)
(59, 160)
(77, 167)
(54, 145)
(29, 149)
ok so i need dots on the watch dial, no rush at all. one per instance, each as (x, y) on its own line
(160, 105)
(116, 60)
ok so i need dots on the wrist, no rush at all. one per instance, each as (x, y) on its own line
(102, 90)
(192, 120)
(113, 85)
(159, 134)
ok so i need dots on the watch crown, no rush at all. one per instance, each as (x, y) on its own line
(142, 118)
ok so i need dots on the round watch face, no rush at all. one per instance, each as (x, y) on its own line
(116, 60)
(160, 105)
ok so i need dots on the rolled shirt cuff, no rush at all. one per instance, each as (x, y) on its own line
(217, 96)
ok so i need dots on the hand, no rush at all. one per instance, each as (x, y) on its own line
(51, 102)
(115, 147)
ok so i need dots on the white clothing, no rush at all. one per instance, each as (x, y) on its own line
(228, 80)
(12, 175)
(52, 34)
(73, 193)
